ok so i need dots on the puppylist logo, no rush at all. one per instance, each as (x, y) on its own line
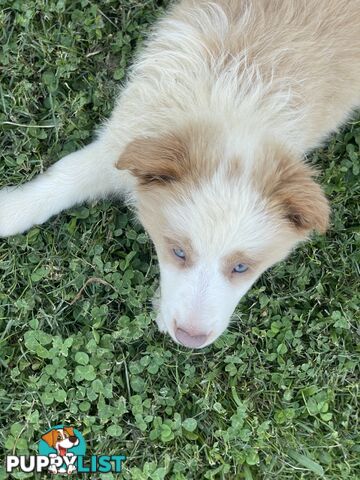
(62, 451)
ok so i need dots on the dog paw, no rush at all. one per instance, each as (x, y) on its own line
(16, 211)
(71, 469)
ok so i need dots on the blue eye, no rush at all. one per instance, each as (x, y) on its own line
(240, 268)
(179, 252)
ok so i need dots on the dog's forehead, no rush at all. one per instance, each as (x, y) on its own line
(220, 218)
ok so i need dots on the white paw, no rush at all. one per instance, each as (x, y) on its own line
(17, 211)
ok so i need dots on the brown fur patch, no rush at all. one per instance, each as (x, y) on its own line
(189, 155)
(50, 438)
(69, 431)
(155, 160)
(288, 185)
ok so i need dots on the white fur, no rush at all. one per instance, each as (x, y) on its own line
(84, 175)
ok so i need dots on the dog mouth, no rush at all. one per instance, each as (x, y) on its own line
(62, 451)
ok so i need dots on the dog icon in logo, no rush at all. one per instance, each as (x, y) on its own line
(62, 439)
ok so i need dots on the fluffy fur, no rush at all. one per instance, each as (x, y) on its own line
(207, 141)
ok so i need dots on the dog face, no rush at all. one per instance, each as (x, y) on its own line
(217, 221)
(61, 439)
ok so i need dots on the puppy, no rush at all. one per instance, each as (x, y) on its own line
(61, 439)
(207, 141)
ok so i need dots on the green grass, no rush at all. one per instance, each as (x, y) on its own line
(277, 397)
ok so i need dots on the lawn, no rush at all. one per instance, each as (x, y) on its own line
(276, 397)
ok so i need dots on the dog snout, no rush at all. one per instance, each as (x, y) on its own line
(73, 439)
(190, 339)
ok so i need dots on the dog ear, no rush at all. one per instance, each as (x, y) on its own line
(69, 431)
(299, 197)
(50, 438)
(155, 160)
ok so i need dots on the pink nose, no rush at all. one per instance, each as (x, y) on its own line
(188, 340)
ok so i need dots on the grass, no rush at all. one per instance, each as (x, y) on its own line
(276, 397)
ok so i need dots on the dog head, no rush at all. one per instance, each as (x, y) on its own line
(61, 438)
(218, 219)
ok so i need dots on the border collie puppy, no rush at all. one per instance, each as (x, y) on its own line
(207, 141)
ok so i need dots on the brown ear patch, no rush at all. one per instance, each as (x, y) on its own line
(69, 431)
(289, 185)
(305, 204)
(50, 438)
(155, 160)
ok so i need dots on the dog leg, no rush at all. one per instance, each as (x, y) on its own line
(87, 174)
